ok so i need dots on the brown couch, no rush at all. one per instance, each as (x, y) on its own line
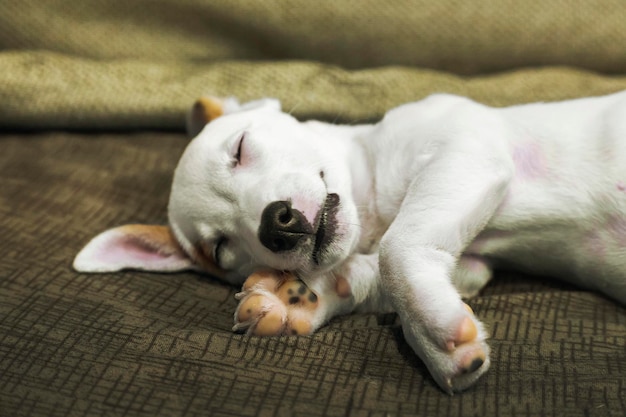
(92, 102)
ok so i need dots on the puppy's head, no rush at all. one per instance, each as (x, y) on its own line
(254, 188)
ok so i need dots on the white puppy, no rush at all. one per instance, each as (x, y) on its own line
(407, 215)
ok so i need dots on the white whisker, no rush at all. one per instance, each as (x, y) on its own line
(294, 107)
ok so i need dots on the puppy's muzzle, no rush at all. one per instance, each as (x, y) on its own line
(283, 227)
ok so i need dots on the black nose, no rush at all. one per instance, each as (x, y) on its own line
(282, 227)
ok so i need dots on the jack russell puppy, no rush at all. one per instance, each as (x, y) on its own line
(409, 215)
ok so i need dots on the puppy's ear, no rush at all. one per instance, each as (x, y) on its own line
(202, 112)
(207, 109)
(143, 247)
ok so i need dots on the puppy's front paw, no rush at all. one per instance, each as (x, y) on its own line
(468, 352)
(275, 303)
(456, 356)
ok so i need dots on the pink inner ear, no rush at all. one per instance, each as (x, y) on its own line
(149, 248)
(132, 250)
(148, 252)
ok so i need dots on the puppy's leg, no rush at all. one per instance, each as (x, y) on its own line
(471, 274)
(446, 206)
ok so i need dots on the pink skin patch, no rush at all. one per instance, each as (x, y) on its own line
(307, 207)
(621, 187)
(529, 160)
(342, 287)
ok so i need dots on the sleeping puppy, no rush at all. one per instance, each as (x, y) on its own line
(408, 215)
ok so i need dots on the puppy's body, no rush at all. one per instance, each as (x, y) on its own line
(558, 168)
(408, 215)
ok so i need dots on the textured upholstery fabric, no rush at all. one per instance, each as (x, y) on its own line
(147, 344)
(105, 84)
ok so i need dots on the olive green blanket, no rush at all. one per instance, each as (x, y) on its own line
(138, 64)
(90, 92)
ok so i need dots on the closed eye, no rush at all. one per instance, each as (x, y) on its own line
(239, 148)
(217, 249)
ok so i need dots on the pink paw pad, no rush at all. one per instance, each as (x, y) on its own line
(466, 334)
(275, 303)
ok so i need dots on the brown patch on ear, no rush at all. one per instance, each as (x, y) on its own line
(342, 286)
(211, 108)
(162, 239)
(158, 238)
(203, 111)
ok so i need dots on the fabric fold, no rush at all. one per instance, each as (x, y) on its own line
(44, 90)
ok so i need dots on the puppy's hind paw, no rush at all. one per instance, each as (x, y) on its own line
(274, 303)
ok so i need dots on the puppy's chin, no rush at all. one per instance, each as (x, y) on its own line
(332, 256)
